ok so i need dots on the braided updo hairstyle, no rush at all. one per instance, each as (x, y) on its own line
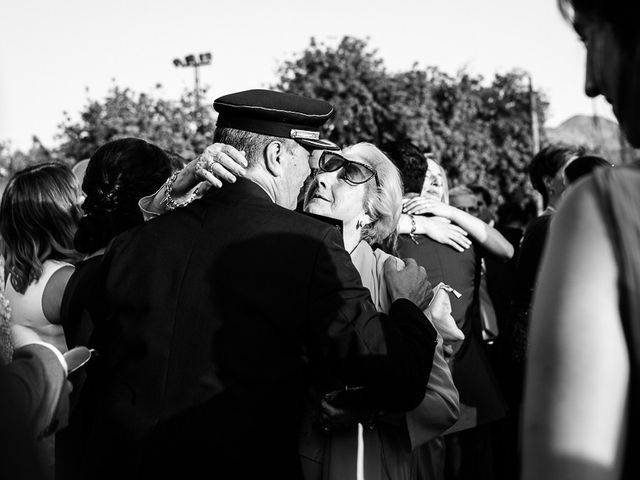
(118, 174)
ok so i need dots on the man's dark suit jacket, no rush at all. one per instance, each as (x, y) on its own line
(216, 317)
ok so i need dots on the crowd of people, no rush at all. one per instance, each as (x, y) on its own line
(286, 307)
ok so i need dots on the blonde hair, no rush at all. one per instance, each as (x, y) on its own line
(382, 203)
(431, 163)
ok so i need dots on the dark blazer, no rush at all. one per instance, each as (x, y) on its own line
(216, 317)
(34, 403)
(481, 400)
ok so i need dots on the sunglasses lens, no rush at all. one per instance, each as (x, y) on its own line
(356, 173)
(331, 163)
(353, 172)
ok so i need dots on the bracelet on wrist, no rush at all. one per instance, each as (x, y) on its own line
(412, 233)
(169, 202)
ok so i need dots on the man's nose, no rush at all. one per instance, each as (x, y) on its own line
(591, 88)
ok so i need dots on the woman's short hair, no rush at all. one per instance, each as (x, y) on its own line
(547, 163)
(582, 166)
(39, 214)
(119, 173)
(410, 161)
(382, 203)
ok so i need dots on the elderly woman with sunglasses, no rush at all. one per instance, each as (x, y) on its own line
(361, 188)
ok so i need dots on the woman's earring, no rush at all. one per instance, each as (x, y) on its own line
(358, 225)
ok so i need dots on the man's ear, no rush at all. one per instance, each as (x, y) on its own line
(273, 158)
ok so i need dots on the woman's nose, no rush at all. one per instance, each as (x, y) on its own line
(326, 179)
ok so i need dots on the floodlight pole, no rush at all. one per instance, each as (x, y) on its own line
(191, 61)
(196, 69)
(535, 128)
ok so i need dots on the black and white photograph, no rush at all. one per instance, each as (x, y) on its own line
(345, 240)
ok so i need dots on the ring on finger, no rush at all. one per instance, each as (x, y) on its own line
(211, 162)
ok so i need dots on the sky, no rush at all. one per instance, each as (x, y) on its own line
(54, 55)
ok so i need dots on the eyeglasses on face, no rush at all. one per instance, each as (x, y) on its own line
(354, 172)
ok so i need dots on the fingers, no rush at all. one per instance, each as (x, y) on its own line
(232, 160)
(228, 152)
(419, 210)
(219, 170)
(409, 263)
(458, 242)
(208, 177)
(223, 162)
(461, 240)
(458, 230)
(455, 246)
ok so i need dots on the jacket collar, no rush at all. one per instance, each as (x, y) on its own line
(242, 190)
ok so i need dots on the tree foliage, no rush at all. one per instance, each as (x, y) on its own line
(171, 124)
(480, 131)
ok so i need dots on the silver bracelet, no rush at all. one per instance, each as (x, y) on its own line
(169, 202)
(412, 233)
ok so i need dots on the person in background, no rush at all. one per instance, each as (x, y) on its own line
(582, 396)
(485, 202)
(39, 214)
(582, 166)
(465, 451)
(465, 199)
(116, 176)
(34, 396)
(546, 172)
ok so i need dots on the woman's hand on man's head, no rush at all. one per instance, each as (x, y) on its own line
(218, 163)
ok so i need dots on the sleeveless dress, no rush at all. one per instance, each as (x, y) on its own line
(618, 196)
(26, 308)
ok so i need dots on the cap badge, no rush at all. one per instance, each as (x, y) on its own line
(306, 134)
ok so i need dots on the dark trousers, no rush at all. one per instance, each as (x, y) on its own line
(469, 454)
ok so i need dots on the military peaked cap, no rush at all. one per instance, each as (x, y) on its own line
(277, 114)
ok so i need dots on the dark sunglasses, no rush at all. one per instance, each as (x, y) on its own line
(354, 172)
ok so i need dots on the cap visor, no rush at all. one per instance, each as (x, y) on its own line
(319, 144)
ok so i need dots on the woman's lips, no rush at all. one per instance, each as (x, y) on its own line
(319, 197)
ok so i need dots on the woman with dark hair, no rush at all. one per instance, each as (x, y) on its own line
(582, 396)
(546, 173)
(118, 174)
(38, 219)
(582, 166)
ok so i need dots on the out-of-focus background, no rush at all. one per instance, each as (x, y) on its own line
(481, 85)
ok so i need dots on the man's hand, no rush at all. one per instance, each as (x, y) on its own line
(332, 417)
(217, 163)
(409, 282)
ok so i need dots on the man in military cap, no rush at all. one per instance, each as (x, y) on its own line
(217, 316)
